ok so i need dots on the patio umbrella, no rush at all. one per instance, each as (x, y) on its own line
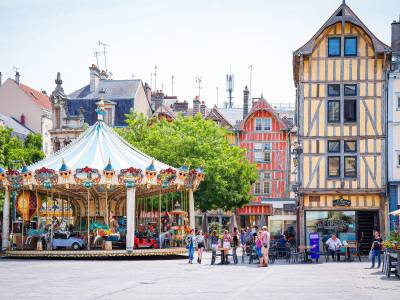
(233, 222)
(395, 213)
(261, 221)
(205, 223)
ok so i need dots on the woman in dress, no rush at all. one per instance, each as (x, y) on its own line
(226, 244)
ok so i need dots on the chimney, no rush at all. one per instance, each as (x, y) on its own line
(203, 108)
(17, 76)
(396, 39)
(196, 105)
(157, 99)
(245, 102)
(1, 79)
(94, 77)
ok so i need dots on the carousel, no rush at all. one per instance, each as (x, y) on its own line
(97, 197)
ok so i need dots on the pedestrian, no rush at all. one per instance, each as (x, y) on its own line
(226, 244)
(376, 249)
(265, 239)
(258, 246)
(190, 245)
(200, 245)
(333, 245)
(360, 240)
(235, 239)
(242, 237)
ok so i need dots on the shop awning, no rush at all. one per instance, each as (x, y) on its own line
(255, 210)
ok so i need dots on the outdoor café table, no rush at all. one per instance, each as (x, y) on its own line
(223, 252)
(306, 250)
(347, 249)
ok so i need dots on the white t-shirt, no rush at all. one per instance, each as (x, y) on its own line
(333, 244)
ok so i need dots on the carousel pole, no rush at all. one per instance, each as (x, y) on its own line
(106, 207)
(23, 221)
(130, 218)
(88, 220)
(52, 215)
(191, 210)
(37, 208)
(6, 220)
(159, 217)
(68, 213)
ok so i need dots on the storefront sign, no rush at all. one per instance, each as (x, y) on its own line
(255, 210)
(332, 224)
(289, 207)
(341, 202)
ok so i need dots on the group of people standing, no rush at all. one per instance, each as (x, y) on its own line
(227, 241)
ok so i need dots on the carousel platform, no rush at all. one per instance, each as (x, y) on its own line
(97, 254)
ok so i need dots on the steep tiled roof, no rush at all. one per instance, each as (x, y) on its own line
(262, 104)
(164, 109)
(37, 97)
(114, 89)
(19, 130)
(343, 13)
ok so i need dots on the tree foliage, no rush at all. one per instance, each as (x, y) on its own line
(196, 142)
(14, 151)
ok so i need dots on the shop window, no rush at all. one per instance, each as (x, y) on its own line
(334, 46)
(350, 146)
(334, 146)
(350, 46)
(350, 166)
(334, 90)
(334, 166)
(350, 111)
(333, 111)
(350, 90)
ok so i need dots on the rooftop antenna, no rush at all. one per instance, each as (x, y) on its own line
(155, 77)
(251, 68)
(151, 79)
(198, 82)
(229, 87)
(133, 76)
(104, 45)
(97, 54)
(172, 85)
(217, 95)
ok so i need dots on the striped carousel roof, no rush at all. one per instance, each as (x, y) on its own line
(98, 146)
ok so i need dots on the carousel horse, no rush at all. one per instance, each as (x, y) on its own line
(102, 231)
(62, 228)
(39, 233)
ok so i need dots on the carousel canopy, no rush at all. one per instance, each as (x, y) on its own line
(98, 146)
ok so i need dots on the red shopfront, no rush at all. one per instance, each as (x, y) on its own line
(254, 214)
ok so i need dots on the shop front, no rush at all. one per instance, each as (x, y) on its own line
(254, 214)
(351, 218)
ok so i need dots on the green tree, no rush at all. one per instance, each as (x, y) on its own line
(197, 142)
(14, 151)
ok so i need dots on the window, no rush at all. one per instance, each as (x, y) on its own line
(350, 146)
(398, 160)
(259, 157)
(334, 46)
(257, 188)
(333, 166)
(333, 146)
(257, 147)
(350, 166)
(267, 176)
(350, 46)
(267, 189)
(333, 111)
(350, 111)
(350, 90)
(267, 156)
(267, 146)
(334, 90)
(263, 124)
(398, 103)
(258, 124)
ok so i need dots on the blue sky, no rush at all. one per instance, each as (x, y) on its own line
(183, 38)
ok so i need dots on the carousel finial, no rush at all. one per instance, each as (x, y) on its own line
(109, 166)
(151, 166)
(100, 107)
(63, 167)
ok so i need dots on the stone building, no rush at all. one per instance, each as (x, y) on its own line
(71, 112)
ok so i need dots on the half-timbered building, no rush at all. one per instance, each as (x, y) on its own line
(266, 138)
(340, 79)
